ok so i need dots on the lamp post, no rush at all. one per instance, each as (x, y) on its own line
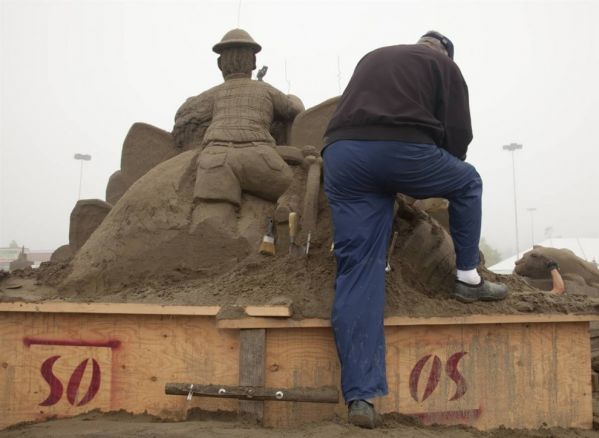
(513, 147)
(81, 158)
(532, 210)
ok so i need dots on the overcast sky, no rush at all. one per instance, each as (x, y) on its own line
(76, 74)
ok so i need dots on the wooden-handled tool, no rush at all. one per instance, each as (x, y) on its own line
(267, 246)
(294, 248)
(310, 212)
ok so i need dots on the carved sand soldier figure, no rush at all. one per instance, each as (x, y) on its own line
(231, 122)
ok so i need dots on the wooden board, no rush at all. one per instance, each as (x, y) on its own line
(109, 308)
(258, 322)
(270, 316)
(516, 375)
(252, 344)
(270, 311)
(296, 358)
(121, 361)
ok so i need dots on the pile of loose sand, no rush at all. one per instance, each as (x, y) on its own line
(419, 283)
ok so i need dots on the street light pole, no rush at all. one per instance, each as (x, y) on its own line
(532, 210)
(81, 158)
(512, 147)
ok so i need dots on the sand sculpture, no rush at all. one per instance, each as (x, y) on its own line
(87, 215)
(62, 254)
(190, 209)
(21, 262)
(144, 147)
(232, 124)
(580, 276)
(210, 203)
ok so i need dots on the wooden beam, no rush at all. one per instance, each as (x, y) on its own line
(490, 319)
(269, 311)
(328, 394)
(263, 322)
(109, 308)
(255, 322)
(252, 349)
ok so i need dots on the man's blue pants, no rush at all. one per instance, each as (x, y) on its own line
(361, 179)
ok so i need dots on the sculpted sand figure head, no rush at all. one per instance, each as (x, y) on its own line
(237, 50)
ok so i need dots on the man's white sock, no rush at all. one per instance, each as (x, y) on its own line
(469, 277)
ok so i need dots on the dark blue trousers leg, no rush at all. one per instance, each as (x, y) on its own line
(426, 171)
(361, 179)
(362, 219)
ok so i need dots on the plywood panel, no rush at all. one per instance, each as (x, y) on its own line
(517, 375)
(300, 358)
(134, 357)
(485, 375)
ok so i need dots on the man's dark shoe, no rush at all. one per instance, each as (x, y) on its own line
(362, 414)
(484, 291)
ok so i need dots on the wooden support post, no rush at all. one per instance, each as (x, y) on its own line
(252, 352)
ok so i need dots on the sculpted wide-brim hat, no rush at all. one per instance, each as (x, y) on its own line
(236, 38)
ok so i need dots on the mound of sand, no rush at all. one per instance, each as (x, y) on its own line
(147, 236)
(146, 250)
(419, 283)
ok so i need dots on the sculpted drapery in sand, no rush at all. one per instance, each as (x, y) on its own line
(231, 123)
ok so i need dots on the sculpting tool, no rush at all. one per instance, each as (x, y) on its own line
(390, 253)
(294, 248)
(267, 247)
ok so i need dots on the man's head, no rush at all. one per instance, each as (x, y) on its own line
(437, 41)
(237, 51)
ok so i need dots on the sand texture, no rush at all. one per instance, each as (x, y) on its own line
(216, 425)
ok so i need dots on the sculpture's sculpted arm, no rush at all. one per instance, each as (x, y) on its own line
(192, 119)
(285, 106)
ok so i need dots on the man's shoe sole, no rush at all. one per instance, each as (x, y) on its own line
(363, 421)
(468, 300)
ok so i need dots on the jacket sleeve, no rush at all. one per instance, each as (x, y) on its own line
(453, 112)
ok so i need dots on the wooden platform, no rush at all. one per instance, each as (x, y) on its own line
(62, 359)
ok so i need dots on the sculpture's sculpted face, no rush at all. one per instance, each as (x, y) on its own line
(533, 264)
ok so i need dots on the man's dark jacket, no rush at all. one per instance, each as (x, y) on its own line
(409, 93)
